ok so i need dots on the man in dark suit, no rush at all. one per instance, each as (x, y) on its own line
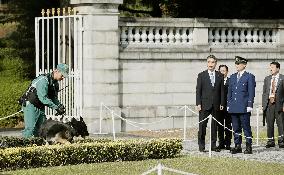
(224, 117)
(273, 104)
(209, 100)
(240, 98)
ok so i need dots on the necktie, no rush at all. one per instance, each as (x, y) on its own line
(238, 76)
(212, 79)
(272, 96)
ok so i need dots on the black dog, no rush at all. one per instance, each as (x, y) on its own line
(58, 132)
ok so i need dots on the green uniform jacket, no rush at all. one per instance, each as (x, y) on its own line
(47, 90)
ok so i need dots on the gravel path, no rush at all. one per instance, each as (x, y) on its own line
(260, 153)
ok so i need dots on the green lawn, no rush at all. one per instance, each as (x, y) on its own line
(198, 165)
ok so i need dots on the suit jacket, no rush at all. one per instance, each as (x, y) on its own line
(207, 95)
(279, 93)
(241, 94)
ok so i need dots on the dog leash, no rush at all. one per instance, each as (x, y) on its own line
(11, 115)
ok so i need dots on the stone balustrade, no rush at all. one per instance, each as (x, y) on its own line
(244, 36)
(157, 32)
(157, 35)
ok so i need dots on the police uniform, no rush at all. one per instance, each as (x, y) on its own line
(42, 92)
(240, 98)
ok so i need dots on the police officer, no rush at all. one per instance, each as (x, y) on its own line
(240, 98)
(42, 92)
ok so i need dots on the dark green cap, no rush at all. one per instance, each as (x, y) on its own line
(64, 69)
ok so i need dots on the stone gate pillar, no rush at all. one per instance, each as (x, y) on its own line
(100, 59)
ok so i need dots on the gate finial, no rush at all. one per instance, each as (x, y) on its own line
(53, 11)
(58, 11)
(48, 12)
(42, 12)
(69, 10)
(63, 11)
(74, 11)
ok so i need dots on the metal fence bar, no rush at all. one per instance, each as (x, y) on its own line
(53, 43)
(210, 135)
(184, 123)
(47, 44)
(42, 45)
(257, 126)
(81, 62)
(37, 44)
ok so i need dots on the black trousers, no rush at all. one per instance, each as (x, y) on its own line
(224, 135)
(271, 115)
(202, 127)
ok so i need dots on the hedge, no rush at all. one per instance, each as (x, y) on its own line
(10, 141)
(94, 152)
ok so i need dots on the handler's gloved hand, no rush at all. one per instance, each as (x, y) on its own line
(60, 110)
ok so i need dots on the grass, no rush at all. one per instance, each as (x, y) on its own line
(191, 164)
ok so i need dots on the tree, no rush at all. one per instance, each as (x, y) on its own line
(23, 39)
(244, 9)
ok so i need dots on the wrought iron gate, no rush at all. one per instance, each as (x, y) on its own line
(59, 40)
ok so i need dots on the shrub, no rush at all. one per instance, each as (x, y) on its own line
(13, 84)
(9, 142)
(57, 155)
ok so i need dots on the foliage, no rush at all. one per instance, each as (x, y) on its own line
(10, 142)
(246, 9)
(58, 155)
(23, 13)
(13, 71)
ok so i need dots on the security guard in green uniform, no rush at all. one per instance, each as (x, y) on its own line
(42, 92)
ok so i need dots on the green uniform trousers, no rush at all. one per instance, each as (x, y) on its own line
(33, 117)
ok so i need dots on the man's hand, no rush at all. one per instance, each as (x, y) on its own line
(249, 109)
(221, 107)
(198, 107)
(60, 110)
(227, 108)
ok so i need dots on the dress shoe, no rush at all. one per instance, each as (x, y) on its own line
(221, 147)
(269, 145)
(248, 149)
(237, 149)
(228, 147)
(281, 145)
(216, 149)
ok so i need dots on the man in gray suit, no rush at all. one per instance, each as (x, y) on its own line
(273, 104)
